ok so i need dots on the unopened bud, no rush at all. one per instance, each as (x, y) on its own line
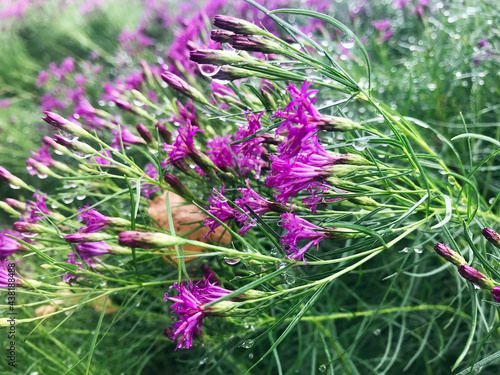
(182, 86)
(496, 293)
(61, 123)
(146, 135)
(492, 236)
(448, 254)
(56, 146)
(11, 179)
(25, 227)
(221, 36)
(237, 25)
(75, 145)
(215, 57)
(87, 237)
(256, 44)
(474, 276)
(164, 133)
(148, 240)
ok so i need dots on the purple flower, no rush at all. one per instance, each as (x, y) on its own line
(300, 229)
(257, 203)
(496, 293)
(42, 78)
(250, 152)
(35, 209)
(41, 156)
(8, 278)
(188, 306)
(92, 249)
(483, 43)
(95, 221)
(8, 245)
(381, 25)
(127, 138)
(148, 189)
(69, 277)
(100, 160)
(183, 145)
(220, 209)
(219, 152)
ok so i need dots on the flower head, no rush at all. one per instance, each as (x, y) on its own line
(492, 236)
(220, 209)
(496, 293)
(449, 254)
(183, 145)
(9, 245)
(35, 209)
(300, 229)
(92, 249)
(95, 221)
(148, 189)
(188, 306)
(219, 152)
(474, 276)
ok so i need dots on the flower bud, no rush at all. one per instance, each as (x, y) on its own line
(57, 147)
(492, 236)
(474, 276)
(178, 186)
(221, 36)
(75, 145)
(215, 57)
(7, 208)
(15, 204)
(237, 25)
(230, 73)
(39, 167)
(164, 133)
(123, 104)
(448, 254)
(61, 123)
(496, 293)
(146, 134)
(11, 179)
(256, 44)
(87, 237)
(182, 86)
(25, 227)
(335, 123)
(148, 240)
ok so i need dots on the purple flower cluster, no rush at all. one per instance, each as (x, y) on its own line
(188, 306)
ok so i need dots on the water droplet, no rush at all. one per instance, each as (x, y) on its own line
(322, 368)
(208, 70)
(431, 86)
(14, 187)
(418, 250)
(377, 332)
(80, 197)
(68, 199)
(58, 152)
(347, 41)
(359, 145)
(274, 251)
(451, 180)
(138, 103)
(250, 356)
(54, 206)
(232, 261)
(405, 250)
(247, 344)
(290, 280)
(490, 201)
(30, 235)
(42, 176)
(476, 286)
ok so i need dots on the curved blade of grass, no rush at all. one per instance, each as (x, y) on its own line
(447, 217)
(339, 25)
(97, 330)
(472, 330)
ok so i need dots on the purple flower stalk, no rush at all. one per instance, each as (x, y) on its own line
(188, 306)
(300, 229)
(9, 245)
(492, 236)
(220, 209)
(474, 276)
